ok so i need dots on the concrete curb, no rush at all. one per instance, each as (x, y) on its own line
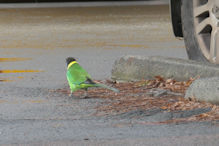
(132, 68)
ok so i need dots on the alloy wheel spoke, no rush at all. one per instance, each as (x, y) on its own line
(201, 26)
(200, 10)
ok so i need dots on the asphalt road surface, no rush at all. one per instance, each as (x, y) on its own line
(36, 42)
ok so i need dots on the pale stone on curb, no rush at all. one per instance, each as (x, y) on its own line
(206, 89)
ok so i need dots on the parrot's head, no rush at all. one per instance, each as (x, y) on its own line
(69, 60)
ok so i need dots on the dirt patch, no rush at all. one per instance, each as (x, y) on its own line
(152, 97)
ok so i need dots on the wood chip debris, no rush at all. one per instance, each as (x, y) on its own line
(134, 96)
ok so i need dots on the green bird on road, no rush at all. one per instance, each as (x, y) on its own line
(78, 78)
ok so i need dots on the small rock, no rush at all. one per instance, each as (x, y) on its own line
(206, 89)
(157, 92)
(174, 93)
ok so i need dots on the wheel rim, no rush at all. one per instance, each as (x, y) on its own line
(206, 23)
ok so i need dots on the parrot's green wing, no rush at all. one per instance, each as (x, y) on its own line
(76, 74)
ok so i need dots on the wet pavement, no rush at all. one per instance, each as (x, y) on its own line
(34, 45)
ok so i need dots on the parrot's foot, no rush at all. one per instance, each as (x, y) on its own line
(70, 95)
(85, 95)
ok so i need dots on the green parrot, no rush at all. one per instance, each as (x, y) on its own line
(78, 78)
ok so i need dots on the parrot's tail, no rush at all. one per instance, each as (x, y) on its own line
(107, 87)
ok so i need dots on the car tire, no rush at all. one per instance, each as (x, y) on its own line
(192, 46)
